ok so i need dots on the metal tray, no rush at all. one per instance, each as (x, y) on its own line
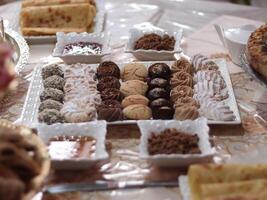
(30, 109)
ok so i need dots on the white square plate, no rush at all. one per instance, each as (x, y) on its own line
(96, 129)
(146, 55)
(69, 38)
(198, 127)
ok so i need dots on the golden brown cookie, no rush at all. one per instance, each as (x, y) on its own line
(186, 112)
(137, 112)
(133, 87)
(180, 92)
(134, 99)
(134, 71)
(181, 65)
(181, 78)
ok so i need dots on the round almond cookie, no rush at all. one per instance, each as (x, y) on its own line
(134, 71)
(133, 87)
(134, 99)
(137, 112)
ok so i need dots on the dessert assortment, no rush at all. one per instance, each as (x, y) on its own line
(177, 143)
(226, 181)
(38, 17)
(70, 94)
(113, 92)
(155, 42)
(257, 50)
(23, 160)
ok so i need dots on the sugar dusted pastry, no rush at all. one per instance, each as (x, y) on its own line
(137, 112)
(186, 112)
(216, 111)
(209, 88)
(214, 76)
(75, 112)
(180, 92)
(201, 62)
(133, 87)
(181, 78)
(181, 65)
(79, 70)
(134, 71)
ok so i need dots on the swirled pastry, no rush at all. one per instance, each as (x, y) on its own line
(186, 112)
(181, 78)
(189, 101)
(181, 65)
(180, 92)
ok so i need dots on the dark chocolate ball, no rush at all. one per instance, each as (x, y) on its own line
(159, 70)
(108, 68)
(108, 82)
(164, 112)
(158, 93)
(159, 103)
(158, 83)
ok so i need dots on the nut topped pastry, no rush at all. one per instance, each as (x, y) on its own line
(155, 42)
(257, 50)
(52, 70)
(108, 68)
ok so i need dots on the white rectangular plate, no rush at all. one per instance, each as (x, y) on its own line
(30, 109)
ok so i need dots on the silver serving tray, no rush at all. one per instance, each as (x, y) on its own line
(20, 47)
(30, 110)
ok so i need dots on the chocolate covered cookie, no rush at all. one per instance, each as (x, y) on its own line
(158, 93)
(110, 110)
(108, 82)
(158, 83)
(108, 68)
(111, 94)
(159, 103)
(164, 112)
(159, 70)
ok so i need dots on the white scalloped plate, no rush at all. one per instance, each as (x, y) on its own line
(96, 129)
(30, 109)
(98, 27)
(198, 127)
(69, 38)
(148, 55)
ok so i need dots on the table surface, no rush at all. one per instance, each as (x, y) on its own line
(196, 18)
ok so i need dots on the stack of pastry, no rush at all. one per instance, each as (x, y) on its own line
(81, 95)
(47, 17)
(228, 182)
(108, 74)
(182, 93)
(134, 88)
(159, 91)
(210, 89)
